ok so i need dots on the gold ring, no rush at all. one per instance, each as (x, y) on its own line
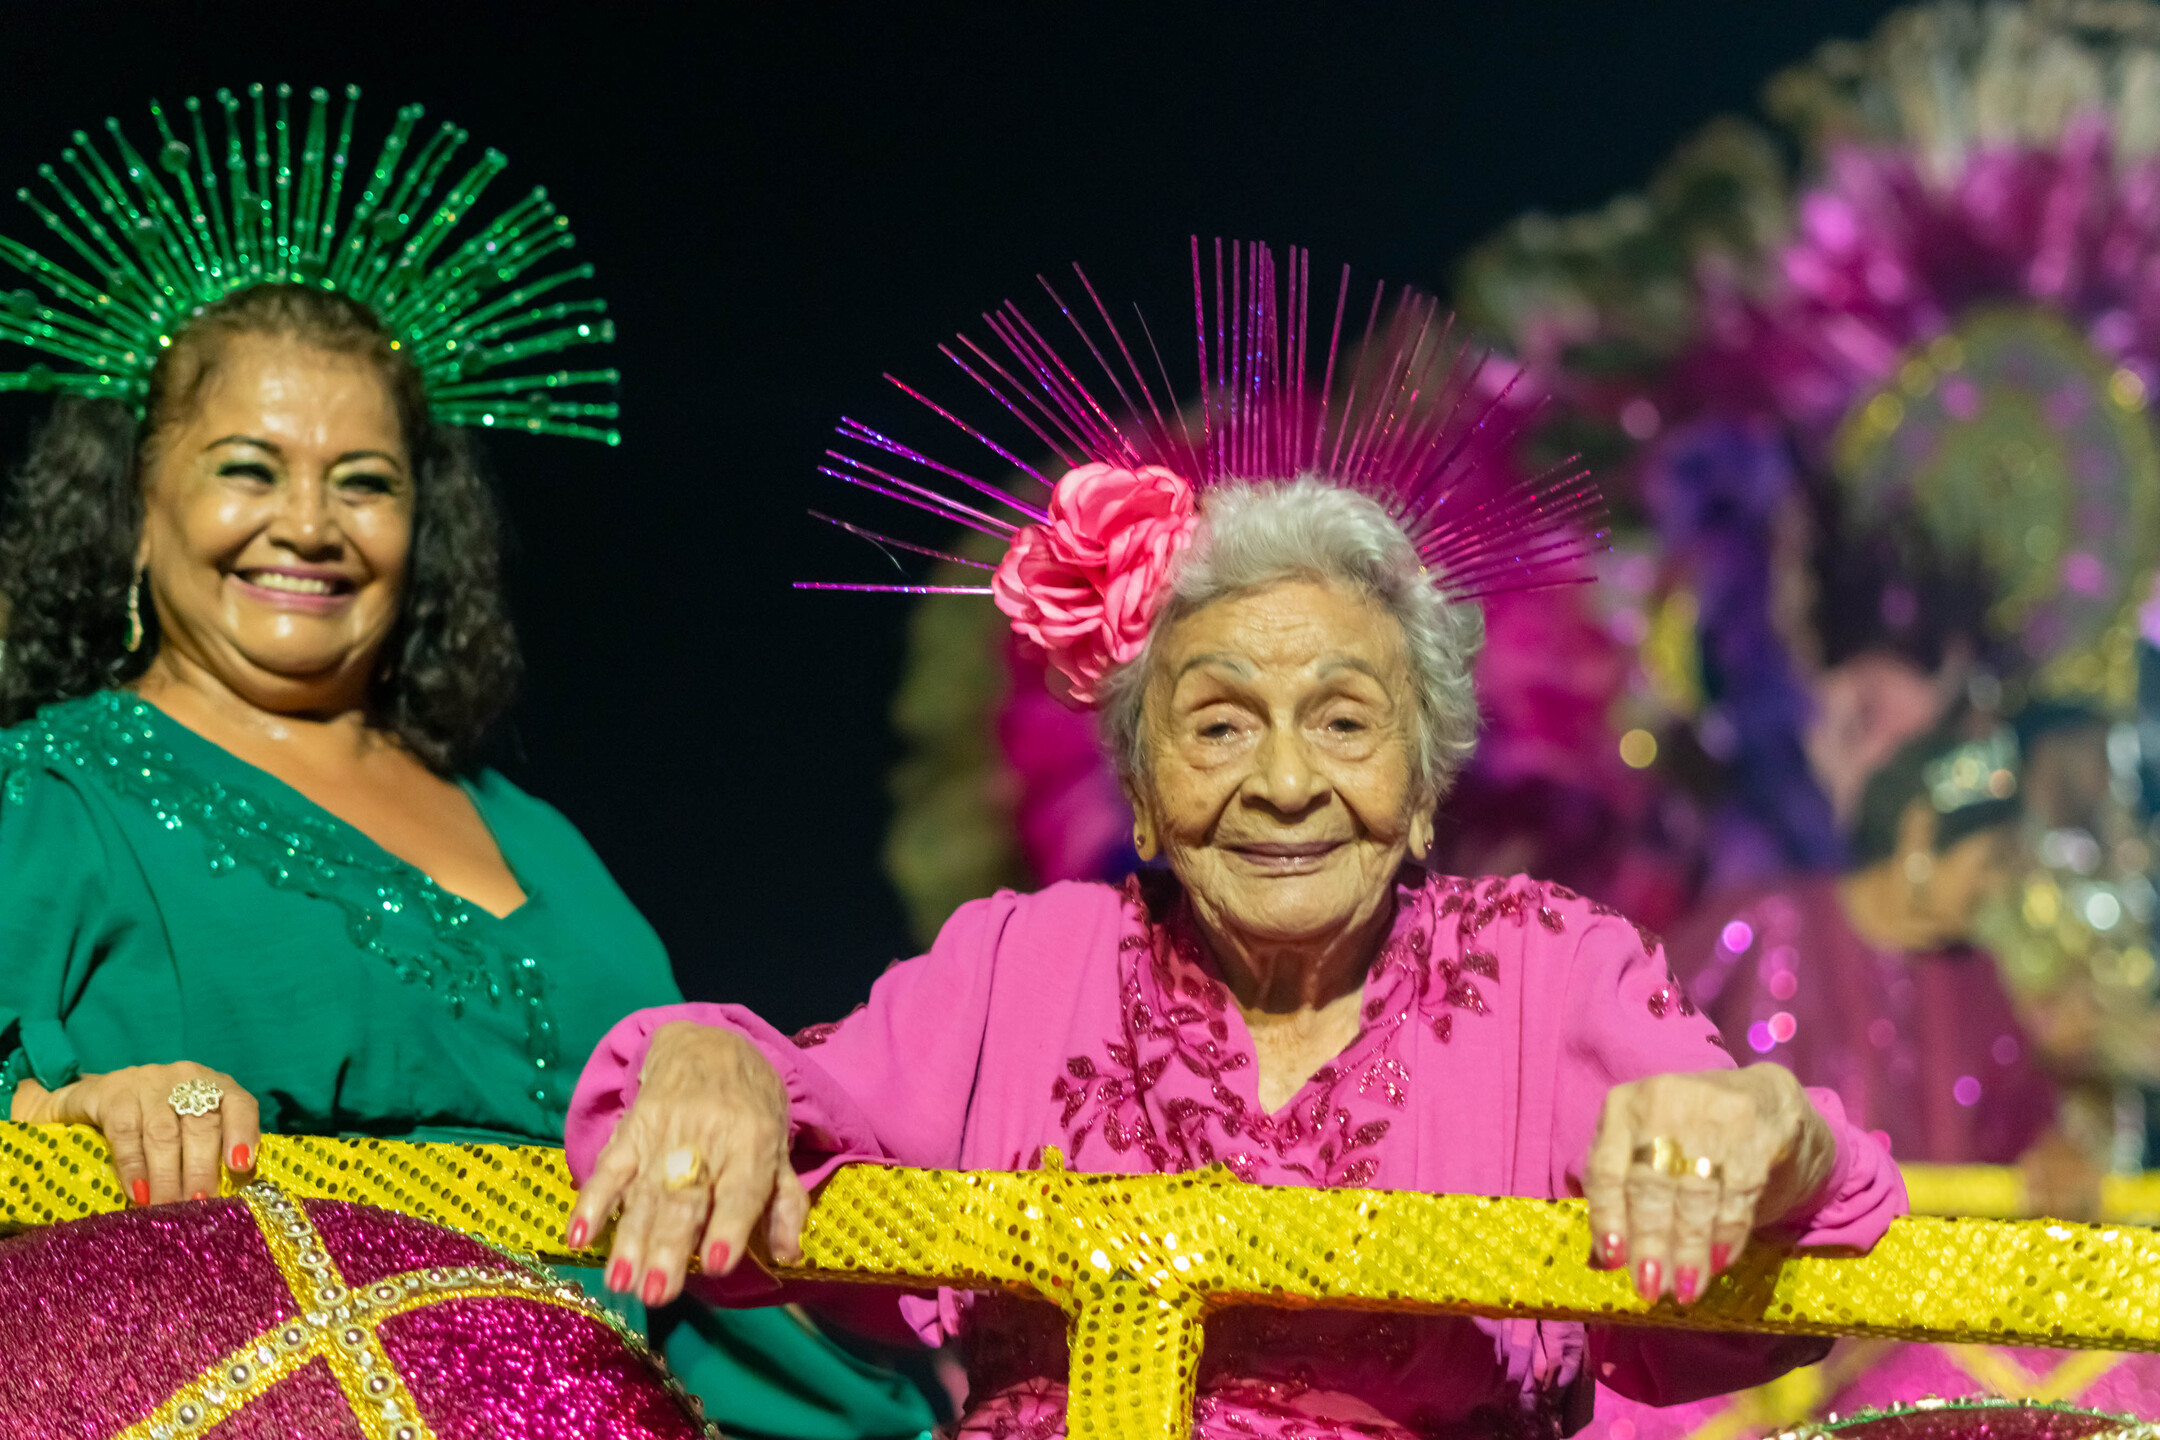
(1663, 1156)
(195, 1097)
(680, 1169)
(1707, 1169)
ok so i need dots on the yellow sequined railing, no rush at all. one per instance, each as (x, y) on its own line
(1137, 1262)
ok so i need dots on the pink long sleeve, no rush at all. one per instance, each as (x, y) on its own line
(914, 1047)
(1628, 1018)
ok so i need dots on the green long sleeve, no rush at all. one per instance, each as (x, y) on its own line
(56, 918)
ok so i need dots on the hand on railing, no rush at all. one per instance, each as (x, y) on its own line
(173, 1129)
(1685, 1167)
(700, 1160)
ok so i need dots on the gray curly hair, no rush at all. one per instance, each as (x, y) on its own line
(1254, 534)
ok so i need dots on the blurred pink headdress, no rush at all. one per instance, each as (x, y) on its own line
(1410, 421)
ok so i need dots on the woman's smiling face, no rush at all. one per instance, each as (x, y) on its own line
(1279, 732)
(278, 522)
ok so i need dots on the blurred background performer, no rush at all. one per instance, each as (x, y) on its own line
(1869, 984)
(1882, 425)
(1881, 436)
(254, 875)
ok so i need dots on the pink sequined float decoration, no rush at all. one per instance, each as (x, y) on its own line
(185, 1310)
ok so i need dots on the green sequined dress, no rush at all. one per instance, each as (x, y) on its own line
(163, 900)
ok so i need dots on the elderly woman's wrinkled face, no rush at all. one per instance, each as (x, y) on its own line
(1280, 730)
(278, 521)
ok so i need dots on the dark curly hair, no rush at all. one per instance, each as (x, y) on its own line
(69, 533)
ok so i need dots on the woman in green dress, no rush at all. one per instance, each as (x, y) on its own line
(251, 875)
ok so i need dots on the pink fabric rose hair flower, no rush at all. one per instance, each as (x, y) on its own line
(1085, 586)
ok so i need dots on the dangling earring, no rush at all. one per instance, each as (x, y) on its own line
(134, 635)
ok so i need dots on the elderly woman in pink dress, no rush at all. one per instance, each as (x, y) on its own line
(1272, 608)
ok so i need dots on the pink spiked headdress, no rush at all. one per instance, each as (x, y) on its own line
(1411, 421)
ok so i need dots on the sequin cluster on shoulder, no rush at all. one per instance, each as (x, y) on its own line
(1474, 907)
(1174, 1011)
(812, 1036)
(1651, 944)
(113, 738)
(1671, 998)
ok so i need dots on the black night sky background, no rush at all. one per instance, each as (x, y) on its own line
(784, 201)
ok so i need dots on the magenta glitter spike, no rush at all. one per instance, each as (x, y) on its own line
(1407, 415)
(877, 538)
(894, 589)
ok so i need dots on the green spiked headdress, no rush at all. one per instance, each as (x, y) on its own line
(154, 243)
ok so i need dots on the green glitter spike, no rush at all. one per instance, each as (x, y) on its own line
(152, 238)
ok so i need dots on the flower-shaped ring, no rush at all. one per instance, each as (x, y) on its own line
(195, 1097)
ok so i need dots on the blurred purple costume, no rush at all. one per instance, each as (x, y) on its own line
(1925, 1051)
(1921, 1047)
(1497, 1015)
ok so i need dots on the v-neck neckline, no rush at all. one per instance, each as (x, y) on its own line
(1179, 936)
(166, 725)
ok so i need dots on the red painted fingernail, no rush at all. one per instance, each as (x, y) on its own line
(576, 1238)
(1615, 1250)
(655, 1287)
(141, 1191)
(1647, 1278)
(1685, 1281)
(716, 1258)
(240, 1157)
(618, 1277)
(1719, 1254)
(200, 1195)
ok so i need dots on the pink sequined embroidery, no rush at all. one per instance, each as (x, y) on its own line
(1175, 1012)
(811, 1036)
(1669, 997)
(1651, 944)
